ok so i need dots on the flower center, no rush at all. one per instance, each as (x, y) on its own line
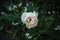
(28, 20)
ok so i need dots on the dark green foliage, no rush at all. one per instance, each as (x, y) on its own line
(48, 27)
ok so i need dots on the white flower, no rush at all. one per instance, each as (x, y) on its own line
(2, 13)
(30, 19)
(20, 4)
(57, 28)
(27, 34)
(29, 37)
(14, 23)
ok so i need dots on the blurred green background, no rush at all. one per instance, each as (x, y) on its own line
(12, 28)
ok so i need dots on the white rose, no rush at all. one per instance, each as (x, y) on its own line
(30, 19)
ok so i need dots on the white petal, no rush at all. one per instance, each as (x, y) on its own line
(33, 16)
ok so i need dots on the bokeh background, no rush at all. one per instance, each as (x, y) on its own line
(12, 28)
